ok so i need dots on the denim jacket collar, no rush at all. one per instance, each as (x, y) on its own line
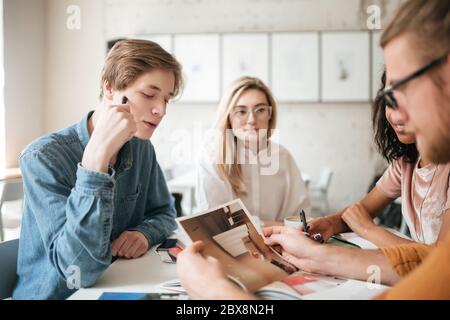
(82, 129)
(125, 156)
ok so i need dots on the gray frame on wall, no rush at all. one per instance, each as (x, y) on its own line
(295, 61)
(345, 66)
(369, 77)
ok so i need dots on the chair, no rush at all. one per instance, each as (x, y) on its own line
(12, 191)
(177, 197)
(319, 192)
(8, 267)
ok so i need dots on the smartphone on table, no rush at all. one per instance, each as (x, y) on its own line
(168, 250)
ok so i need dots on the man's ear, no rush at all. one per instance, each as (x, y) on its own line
(108, 91)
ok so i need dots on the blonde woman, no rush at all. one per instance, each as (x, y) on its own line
(241, 161)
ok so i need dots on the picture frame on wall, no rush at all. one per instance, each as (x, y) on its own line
(345, 69)
(295, 66)
(245, 54)
(199, 54)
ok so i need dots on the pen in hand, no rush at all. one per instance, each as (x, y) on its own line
(303, 220)
(317, 236)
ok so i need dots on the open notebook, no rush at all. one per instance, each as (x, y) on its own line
(304, 286)
(230, 236)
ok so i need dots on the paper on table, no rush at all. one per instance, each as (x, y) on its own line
(350, 290)
(173, 285)
(356, 239)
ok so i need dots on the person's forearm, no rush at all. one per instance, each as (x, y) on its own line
(158, 227)
(160, 213)
(353, 263)
(382, 237)
(84, 238)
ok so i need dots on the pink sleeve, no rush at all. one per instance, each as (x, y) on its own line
(391, 181)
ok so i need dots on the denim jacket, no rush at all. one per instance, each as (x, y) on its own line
(72, 215)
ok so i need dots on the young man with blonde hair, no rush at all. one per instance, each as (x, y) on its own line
(94, 191)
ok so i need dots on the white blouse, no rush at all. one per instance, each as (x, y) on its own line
(274, 190)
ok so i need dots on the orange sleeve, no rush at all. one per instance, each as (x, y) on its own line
(406, 257)
(429, 281)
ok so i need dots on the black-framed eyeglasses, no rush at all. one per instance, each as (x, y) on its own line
(388, 92)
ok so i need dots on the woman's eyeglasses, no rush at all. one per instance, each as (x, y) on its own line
(388, 92)
(261, 112)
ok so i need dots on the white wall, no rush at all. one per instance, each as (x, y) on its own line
(24, 60)
(128, 17)
(334, 135)
(51, 72)
(74, 62)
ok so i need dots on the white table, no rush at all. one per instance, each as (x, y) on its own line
(144, 274)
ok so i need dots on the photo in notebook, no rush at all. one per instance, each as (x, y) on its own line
(230, 236)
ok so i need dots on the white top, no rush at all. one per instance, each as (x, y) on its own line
(274, 191)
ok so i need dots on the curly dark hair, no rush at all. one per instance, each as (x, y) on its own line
(385, 138)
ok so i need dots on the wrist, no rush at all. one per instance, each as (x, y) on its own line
(323, 260)
(337, 224)
(95, 159)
